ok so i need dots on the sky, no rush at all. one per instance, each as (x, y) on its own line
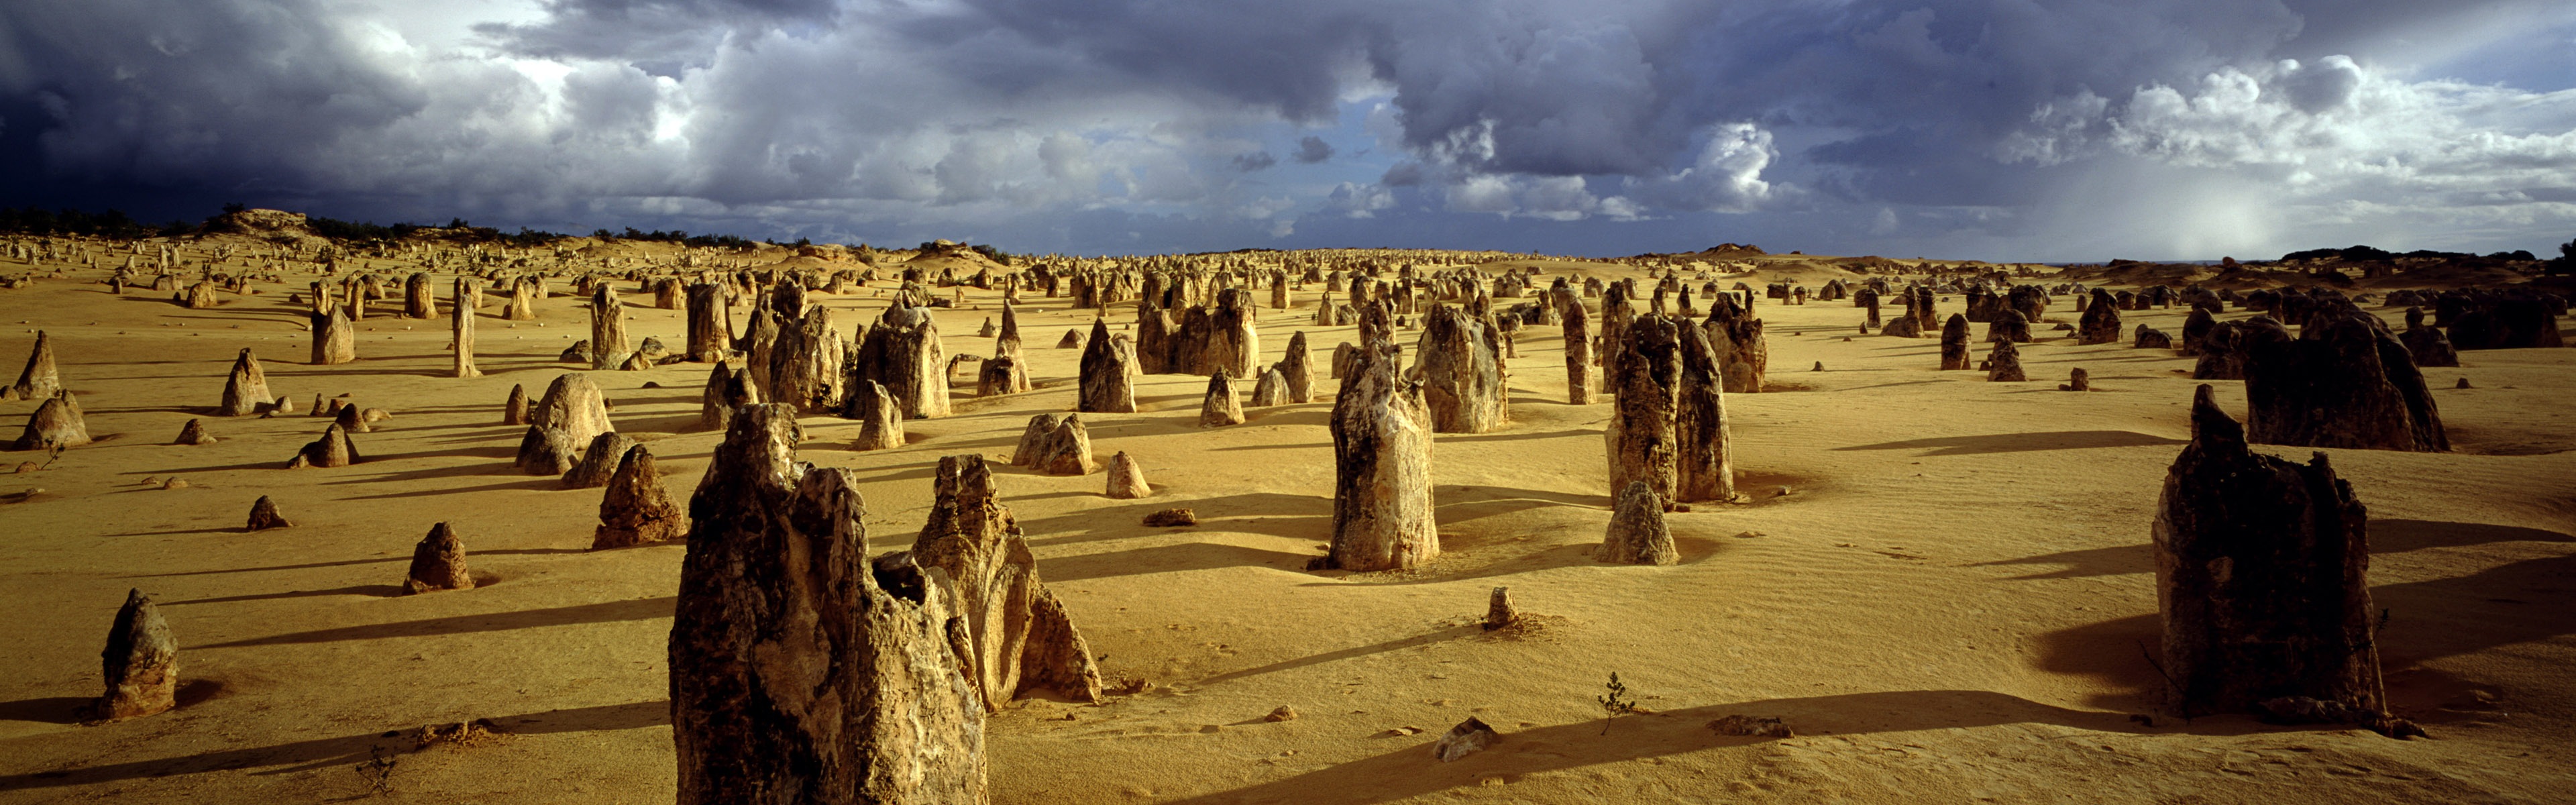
(2004, 130)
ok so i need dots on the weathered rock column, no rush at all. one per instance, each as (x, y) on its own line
(562, 424)
(1108, 383)
(903, 352)
(460, 328)
(2262, 578)
(2344, 382)
(706, 315)
(1954, 343)
(2101, 321)
(800, 671)
(1220, 407)
(140, 664)
(1637, 535)
(608, 344)
(57, 422)
(438, 563)
(880, 417)
(1382, 508)
(1297, 369)
(335, 337)
(246, 391)
(1055, 444)
(1641, 439)
(1018, 638)
(42, 377)
(1460, 361)
(417, 303)
(1578, 343)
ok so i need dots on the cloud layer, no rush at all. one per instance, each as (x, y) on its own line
(2001, 129)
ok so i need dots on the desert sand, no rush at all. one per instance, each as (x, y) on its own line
(1942, 584)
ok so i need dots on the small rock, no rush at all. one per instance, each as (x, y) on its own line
(1783, 492)
(2464, 383)
(1169, 518)
(1749, 535)
(27, 466)
(1470, 735)
(1820, 365)
(652, 385)
(175, 483)
(1284, 713)
(1751, 727)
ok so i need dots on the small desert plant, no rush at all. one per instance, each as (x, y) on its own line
(1614, 702)
(378, 771)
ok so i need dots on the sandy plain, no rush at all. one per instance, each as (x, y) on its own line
(1953, 603)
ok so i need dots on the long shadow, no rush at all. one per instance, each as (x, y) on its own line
(2386, 536)
(1509, 436)
(339, 751)
(532, 483)
(47, 710)
(2515, 603)
(1167, 559)
(1410, 771)
(1435, 636)
(2022, 442)
(306, 566)
(604, 612)
(1250, 512)
(368, 590)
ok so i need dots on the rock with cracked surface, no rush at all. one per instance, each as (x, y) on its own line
(636, 510)
(246, 389)
(975, 544)
(1126, 479)
(437, 563)
(140, 663)
(798, 667)
(1637, 535)
(1055, 444)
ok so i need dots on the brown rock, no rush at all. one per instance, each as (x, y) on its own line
(1220, 408)
(599, 461)
(1296, 370)
(351, 418)
(264, 516)
(1954, 343)
(1637, 535)
(1126, 480)
(194, 433)
(1579, 379)
(57, 423)
(903, 352)
(636, 509)
(1108, 382)
(798, 667)
(335, 337)
(1055, 444)
(42, 377)
(1171, 518)
(2262, 572)
(140, 664)
(708, 320)
(2344, 382)
(246, 391)
(1382, 509)
(515, 411)
(438, 563)
(1470, 735)
(2101, 320)
(1499, 612)
(728, 389)
(334, 449)
(2077, 380)
(974, 540)
(2004, 363)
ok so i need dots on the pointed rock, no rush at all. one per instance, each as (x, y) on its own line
(598, 461)
(1954, 343)
(1460, 362)
(1637, 535)
(799, 668)
(515, 410)
(438, 563)
(2004, 363)
(1108, 382)
(57, 422)
(334, 449)
(42, 377)
(2262, 572)
(976, 544)
(141, 663)
(264, 516)
(1499, 613)
(880, 417)
(335, 337)
(246, 391)
(194, 433)
(1126, 480)
(1220, 408)
(636, 509)
(2345, 381)
(1055, 444)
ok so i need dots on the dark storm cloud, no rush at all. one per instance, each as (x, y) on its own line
(812, 115)
(1311, 150)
